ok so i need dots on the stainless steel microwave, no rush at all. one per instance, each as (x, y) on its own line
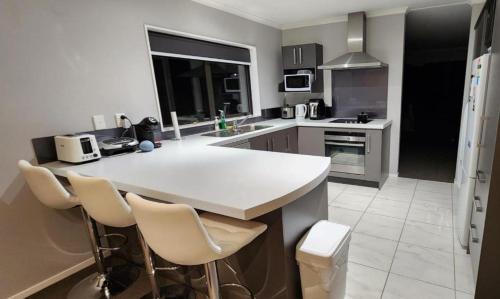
(298, 82)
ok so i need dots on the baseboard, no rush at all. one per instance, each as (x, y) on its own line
(394, 174)
(51, 280)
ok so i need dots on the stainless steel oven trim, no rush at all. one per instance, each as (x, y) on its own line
(345, 138)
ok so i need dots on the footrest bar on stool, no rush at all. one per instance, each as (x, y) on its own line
(124, 240)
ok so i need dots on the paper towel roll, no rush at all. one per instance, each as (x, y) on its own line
(175, 124)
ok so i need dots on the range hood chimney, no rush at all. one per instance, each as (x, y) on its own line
(356, 45)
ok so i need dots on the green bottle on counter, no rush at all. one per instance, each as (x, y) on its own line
(222, 121)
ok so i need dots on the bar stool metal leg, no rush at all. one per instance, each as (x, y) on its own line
(212, 280)
(101, 284)
(95, 285)
(150, 266)
(157, 292)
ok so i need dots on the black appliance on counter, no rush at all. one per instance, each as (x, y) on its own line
(149, 129)
(317, 109)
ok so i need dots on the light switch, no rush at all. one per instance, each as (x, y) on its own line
(99, 122)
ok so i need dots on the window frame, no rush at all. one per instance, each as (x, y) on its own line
(253, 70)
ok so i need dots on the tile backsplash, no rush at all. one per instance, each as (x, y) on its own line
(361, 90)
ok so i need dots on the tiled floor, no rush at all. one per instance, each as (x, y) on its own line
(402, 245)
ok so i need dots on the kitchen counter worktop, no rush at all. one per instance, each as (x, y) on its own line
(234, 182)
(375, 124)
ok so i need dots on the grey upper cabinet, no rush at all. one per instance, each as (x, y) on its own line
(302, 56)
(290, 57)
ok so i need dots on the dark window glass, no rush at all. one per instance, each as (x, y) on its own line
(198, 89)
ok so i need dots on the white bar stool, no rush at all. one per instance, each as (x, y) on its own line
(177, 234)
(102, 202)
(48, 190)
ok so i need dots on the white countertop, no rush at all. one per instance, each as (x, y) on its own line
(234, 182)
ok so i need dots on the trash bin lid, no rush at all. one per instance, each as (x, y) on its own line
(320, 245)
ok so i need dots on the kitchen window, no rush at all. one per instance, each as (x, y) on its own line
(197, 79)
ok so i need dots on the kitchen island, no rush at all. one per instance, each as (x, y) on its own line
(288, 192)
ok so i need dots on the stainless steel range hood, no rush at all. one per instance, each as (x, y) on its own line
(356, 45)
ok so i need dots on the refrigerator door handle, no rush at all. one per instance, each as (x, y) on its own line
(481, 177)
(473, 233)
(477, 204)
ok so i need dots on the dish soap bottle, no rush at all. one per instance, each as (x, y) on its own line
(222, 121)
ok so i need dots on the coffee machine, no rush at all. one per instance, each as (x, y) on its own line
(149, 129)
(317, 109)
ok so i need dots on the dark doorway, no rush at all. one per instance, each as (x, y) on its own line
(436, 42)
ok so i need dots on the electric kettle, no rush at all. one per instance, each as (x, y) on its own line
(300, 110)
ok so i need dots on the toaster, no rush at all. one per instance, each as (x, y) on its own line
(77, 148)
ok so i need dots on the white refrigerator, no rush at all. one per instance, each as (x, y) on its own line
(468, 152)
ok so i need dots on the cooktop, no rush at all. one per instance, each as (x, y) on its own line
(347, 121)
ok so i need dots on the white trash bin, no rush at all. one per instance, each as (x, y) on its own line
(322, 258)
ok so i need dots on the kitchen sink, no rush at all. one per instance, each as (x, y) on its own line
(239, 131)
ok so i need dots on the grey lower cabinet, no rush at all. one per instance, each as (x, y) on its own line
(312, 141)
(283, 141)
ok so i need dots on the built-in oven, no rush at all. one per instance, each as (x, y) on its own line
(347, 151)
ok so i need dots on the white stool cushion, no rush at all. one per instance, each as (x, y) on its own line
(231, 234)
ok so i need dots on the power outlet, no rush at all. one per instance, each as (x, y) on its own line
(120, 123)
(99, 122)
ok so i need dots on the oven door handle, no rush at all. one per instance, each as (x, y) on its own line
(346, 144)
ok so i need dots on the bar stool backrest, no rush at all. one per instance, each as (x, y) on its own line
(46, 188)
(101, 200)
(173, 231)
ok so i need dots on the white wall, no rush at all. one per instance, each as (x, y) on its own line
(385, 41)
(62, 61)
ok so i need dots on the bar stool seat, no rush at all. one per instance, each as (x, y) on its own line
(230, 234)
(179, 235)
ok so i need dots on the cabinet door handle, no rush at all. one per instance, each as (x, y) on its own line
(287, 142)
(481, 177)
(473, 233)
(477, 204)
(368, 143)
(294, 56)
(300, 55)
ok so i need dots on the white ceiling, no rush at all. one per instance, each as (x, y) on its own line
(285, 14)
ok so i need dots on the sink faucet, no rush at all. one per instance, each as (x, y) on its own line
(237, 124)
